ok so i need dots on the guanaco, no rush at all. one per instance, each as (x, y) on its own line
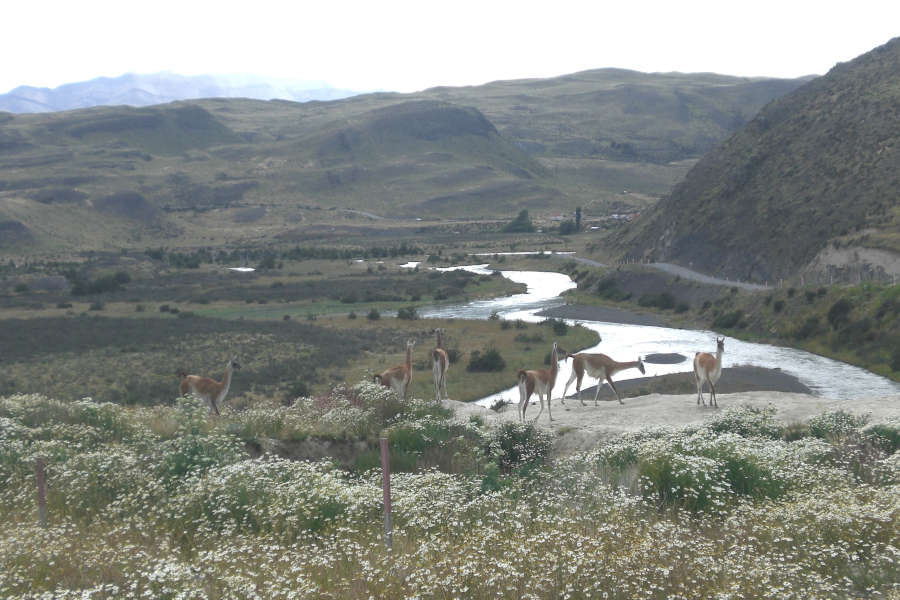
(211, 391)
(599, 366)
(440, 364)
(708, 369)
(540, 381)
(398, 377)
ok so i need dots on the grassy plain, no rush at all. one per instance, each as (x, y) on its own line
(299, 327)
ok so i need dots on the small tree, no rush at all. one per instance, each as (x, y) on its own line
(839, 313)
(578, 218)
(408, 313)
(567, 227)
(521, 224)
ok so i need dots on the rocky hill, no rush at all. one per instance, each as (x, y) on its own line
(810, 186)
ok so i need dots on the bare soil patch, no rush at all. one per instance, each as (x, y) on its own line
(581, 428)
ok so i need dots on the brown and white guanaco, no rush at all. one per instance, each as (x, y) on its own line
(398, 377)
(440, 364)
(211, 391)
(599, 366)
(708, 369)
(540, 381)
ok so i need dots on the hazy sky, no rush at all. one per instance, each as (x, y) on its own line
(411, 45)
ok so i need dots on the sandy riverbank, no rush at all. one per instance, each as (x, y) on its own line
(583, 427)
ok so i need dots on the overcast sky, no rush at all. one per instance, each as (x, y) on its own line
(411, 45)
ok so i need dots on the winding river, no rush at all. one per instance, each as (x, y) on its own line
(825, 377)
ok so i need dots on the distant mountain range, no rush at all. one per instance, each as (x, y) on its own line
(159, 88)
(811, 184)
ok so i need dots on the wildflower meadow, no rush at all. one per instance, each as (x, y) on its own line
(164, 502)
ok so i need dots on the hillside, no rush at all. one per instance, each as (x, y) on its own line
(808, 186)
(621, 115)
(233, 170)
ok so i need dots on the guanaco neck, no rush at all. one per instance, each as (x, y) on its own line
(439, 339)
(408, 358)
(226, 380)
(621, 366)
(554, 363)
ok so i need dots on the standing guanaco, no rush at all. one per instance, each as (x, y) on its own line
(440, 364)
(398, 377)
(708, 369)
(210, 390)
(540, 381)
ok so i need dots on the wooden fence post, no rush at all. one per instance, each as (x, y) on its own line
(386, 487)
(42, 492)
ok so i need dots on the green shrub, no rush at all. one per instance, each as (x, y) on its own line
(749, 476)
(887, 435)
(194, 453)
(416, 437)
(88, 483)
(747, 421)
(854, 334)
(839, 313)
(521, 224)
(264, 497)
(489, 361)
(559, 326)
(673, 479)
(373, 315)
(664, 300)
(794, 431)
(567, 227)
(728, 320)
(608, 288)
(408, 313)
(491, 482)
(835, 424)
(778, 306)
(518, 445)
(810, 328)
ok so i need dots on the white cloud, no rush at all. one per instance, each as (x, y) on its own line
(408, 45)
